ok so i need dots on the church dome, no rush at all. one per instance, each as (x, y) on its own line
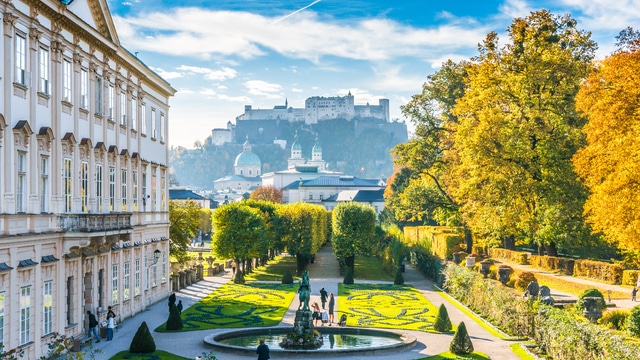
(247, 158)
(316, 147)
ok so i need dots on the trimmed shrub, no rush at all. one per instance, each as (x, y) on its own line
(442, 323)
(523, 279)
(142, 342)
(512, 256)
(630, 277)
(633, 321)
(553, 263)
(588, 293)
(599, 270)
(287, 278)
(461, 343)
(614, 319)
(399, 280)
(348, 276)
(175, 321)
(239, 278)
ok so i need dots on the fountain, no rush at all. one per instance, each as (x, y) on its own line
(303, 335)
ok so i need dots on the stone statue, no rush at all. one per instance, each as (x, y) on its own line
(304, 290)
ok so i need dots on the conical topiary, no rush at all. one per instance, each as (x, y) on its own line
(239, 278)
(142, 342)
(287, 278)
(399, 280)
(443, 323)
(175, 321)
(348, 276)
(461, 343)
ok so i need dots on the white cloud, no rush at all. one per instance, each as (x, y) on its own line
(167, 75)
(264, 89)
(296, 90)
(515, 9)
(210, 74)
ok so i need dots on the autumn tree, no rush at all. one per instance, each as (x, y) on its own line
(518, 129)
(353, 230)
(184, 223)
(609, 164)
(267, 193)
(240, 233)
(303, 229)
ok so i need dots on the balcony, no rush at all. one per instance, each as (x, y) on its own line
(93, 222)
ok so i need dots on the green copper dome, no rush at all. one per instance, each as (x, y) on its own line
(248, 159)
(316, 147)
(296, 145)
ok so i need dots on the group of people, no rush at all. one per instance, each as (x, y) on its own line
(93, 324)
(323, 315)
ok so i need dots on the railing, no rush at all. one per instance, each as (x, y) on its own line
(94, 222)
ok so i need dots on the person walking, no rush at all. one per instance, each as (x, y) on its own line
(633, 293)
(323, 297)
(332, 304)
(179, 306)
(263, 351)
(93, 326)
(110, 313)
(111, 324)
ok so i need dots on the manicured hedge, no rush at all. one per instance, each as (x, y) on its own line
(442, 241)
(512, 256)
(598, 270)
(630, 277)
(552, 263)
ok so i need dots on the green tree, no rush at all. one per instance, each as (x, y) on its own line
(184, 219)
(240, 233)
(517, 131)
(303, 229)
(142, 342)
(353, 228)
(609, 163)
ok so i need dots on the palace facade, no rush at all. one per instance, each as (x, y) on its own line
(84, 220)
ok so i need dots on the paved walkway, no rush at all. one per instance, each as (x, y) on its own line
(323, 273)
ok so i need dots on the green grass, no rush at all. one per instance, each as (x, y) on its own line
(450, 356)
(370, 268)
(274, 270)
(238, 306)
(386, 306)
(520, 352)
(158, 355)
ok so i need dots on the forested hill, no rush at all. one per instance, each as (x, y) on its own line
(347, 146)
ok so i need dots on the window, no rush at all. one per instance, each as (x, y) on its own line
(153, 124)
(163, 189)
(21, 182)
(147, 273)
(99, 187)
(48, 308)
(25, 315)
(123, 188)
(84, 89)
(99, 96)
(66, 80)
(84, 183)
(143, 119)
(126, 293)
(44, 71)
(68, 185)
(114, 284)
(164, 266)
(123, 109)
(155, 275)
(1, 317)
(153, 190)
(310, 196)
(69, 302)
(44, 183)
(22, 75)
(134, 180)
(112, 188)
(162, 126)
(134, 114)
(144, 191)
(111, 97)
(136, 278)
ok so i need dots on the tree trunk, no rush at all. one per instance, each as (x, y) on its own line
(468, 240)
(509, 242)
(350, 261)
(551, 249)
(540, 250)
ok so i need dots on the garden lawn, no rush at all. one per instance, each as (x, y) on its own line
(274, 270)
(450, 356)
(237, 306)
(386, 306)
(370, 268)
(157, 355)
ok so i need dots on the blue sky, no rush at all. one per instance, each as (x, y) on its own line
(223, 54)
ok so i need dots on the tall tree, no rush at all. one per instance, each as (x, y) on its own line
(302, 227)
(353, 230)
(518, 129)
(267, 193)
(184, 223)
(610, 162)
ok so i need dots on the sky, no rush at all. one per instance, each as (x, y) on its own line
(221, 55)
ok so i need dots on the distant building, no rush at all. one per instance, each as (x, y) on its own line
(220, 136)
(318, 108)
(179, 194)
(246, 177)
(375, 198)
(329, 190)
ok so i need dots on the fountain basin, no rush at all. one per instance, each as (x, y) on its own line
(361, 341)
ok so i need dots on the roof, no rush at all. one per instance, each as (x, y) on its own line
(358, 196)
(238, 178)
(335, 181)
(183, 194)
(247, 158)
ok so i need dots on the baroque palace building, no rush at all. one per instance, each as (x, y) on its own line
(84, 220)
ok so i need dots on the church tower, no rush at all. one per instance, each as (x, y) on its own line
(296, 154)
(316, 155)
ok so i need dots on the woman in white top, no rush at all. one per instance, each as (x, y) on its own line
(111, 324)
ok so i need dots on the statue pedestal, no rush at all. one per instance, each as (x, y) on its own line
(303, 335)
